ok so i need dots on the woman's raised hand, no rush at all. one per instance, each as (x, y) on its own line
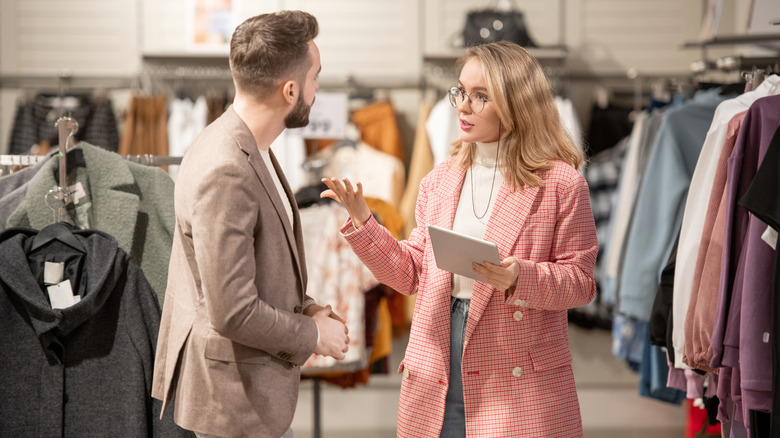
(351, 199)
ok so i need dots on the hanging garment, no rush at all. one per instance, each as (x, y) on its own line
(290, 150)
(694, 343)
(747, 266)
(761, 199)
(85, 369)
(420, 165)
(570, 120)
(336, 277)
(379, 129)
(443, 129)
(607, 127)
(130, 201)
(34, 122)
(185, 121)
(10, 187)
(602, 175)
(698, 199)
(382, 175)
(658, 212)
(145, 129)
(641, 142)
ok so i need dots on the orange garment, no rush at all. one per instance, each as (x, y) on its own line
(391, 218)
(146, 127)
(378, 128)
(421, 164)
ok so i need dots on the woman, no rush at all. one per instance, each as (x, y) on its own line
(491, 358)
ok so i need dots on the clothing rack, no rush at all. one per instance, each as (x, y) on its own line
(30, 160)
(65, 82)
(154, 160)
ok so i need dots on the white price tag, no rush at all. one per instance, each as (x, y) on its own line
(76, 192)
(61, 295)
(328, 116)
(53, 272)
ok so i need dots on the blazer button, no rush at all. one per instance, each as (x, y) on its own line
(517, 372)
(298, 309)
(406, 373)
(517, 315)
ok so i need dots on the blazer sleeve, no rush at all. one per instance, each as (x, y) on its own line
(566, 280)
(394, 263)
(224, 223)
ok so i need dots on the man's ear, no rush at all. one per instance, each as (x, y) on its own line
(290, 92)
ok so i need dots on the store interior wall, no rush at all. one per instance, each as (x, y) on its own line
(364, 42)
(378, 41)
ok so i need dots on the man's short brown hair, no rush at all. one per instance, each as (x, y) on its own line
(268, 49)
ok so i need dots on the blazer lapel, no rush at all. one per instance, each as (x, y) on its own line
(508, 216)
(297, 231)
(446, 201)
(246, 142)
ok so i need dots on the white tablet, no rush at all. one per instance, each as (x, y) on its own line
(455, 252)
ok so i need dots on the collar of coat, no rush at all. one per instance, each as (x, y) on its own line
(110, 185)
(103, 269)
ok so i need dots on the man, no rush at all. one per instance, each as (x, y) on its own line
(237, 323)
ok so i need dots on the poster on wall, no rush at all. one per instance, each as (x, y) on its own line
(210, 25)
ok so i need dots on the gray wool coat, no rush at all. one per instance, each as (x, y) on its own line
(131, 202)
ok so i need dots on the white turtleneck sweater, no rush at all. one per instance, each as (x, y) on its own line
(466, 221)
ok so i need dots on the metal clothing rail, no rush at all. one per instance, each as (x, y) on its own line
(31, 160)
(67, 82)
(155, 160)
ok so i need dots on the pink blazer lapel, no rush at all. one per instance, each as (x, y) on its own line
(443, 215)
(508, 215)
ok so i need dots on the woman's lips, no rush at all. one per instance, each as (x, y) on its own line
(465, 126)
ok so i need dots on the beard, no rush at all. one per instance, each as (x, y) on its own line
(299, 116)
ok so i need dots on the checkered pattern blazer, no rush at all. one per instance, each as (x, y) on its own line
(517, 375)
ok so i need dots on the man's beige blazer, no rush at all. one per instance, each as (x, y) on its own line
(232, 336)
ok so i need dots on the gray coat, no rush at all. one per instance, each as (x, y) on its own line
(131, 202)
(85, 370)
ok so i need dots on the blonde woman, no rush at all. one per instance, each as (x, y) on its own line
(491, 358)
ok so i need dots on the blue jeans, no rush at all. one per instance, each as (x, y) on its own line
(454, 412)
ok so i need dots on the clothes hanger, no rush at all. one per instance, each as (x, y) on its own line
(59, 230)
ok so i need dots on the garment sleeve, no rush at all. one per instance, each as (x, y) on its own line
(566, 280)
(394, 263)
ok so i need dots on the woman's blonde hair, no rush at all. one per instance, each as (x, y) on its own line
(532, 134)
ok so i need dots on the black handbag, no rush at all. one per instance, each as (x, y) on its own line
(490, 25)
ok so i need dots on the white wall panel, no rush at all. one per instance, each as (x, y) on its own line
(365, 39)
(95, 37)
(645, 35)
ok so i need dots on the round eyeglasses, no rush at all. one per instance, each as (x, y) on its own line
(476, 99)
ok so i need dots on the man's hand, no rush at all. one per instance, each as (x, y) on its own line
(333, 341)
(500, 277)
(311, 309)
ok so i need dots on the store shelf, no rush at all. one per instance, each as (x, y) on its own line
(730, 40)
(541, 53)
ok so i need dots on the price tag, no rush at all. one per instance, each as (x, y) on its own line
(61, 295)
(53, 272)
(328, 116)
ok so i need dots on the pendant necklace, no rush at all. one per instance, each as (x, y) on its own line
(471, 178)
